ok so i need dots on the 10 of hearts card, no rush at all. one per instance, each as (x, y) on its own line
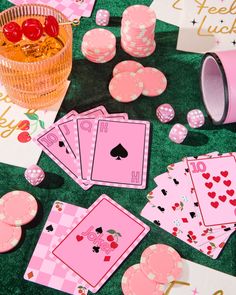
(80, 249)
(195, 201)
(95, 147)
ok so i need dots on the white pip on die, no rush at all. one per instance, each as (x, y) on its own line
(34, 175)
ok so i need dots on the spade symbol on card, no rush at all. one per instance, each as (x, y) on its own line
(99, 230)
(192, 214)
(164, 192)
(161, 208)
(96, 249)
(61, 144)
(119, 152)
(157, 222)
(49, 228)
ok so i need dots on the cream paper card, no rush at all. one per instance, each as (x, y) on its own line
(201, 280)
(168, 10)
(208, 25)
(17, 128)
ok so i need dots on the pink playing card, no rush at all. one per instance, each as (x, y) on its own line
(72, 9)
(52, 143)
(119, 154)
(100, 242)
(42, 268)
(68, 130)
(214, 182)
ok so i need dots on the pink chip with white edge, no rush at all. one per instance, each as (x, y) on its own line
(18, 208)
(178, 133)
(126, 87)
(135, 282)
(9, 236)
(127, 66)
(195, 118)
(161, 263)
(165, 113)
(154, 81)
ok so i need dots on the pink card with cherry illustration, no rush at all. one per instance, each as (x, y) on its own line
(119, 153)
(214, 182)
(43, 269)
(100, 242)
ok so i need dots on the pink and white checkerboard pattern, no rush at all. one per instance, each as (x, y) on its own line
(70, 8)
(44, 270)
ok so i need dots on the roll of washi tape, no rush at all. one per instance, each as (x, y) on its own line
(218, 85)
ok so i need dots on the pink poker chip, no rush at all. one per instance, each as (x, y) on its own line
(126, 87)
(140, 16)
(127, 66)
(135, 282)
(161, 263)
(99, 40)
(154, 81)
(9, 236)
(18, 208)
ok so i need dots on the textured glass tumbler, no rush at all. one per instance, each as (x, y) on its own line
(37, 84)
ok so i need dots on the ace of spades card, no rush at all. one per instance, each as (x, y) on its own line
(119, 153)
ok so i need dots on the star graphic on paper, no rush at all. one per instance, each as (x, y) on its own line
(234, 42)
(195, 292)
(194, 22)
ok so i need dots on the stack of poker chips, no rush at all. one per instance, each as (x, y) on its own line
(138, 31)
(99, 45)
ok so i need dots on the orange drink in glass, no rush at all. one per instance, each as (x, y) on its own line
(35, 73)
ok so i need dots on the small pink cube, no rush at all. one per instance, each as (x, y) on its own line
(195, 118)
(178, 133)
(165, 113)
(34, 175)
(102, 17)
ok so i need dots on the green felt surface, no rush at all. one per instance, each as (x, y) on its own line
(89, 89)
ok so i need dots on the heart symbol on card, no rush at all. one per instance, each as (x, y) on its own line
(212, 195)
(227, 182)
(79, 238)
(209, 185)
(222, 198)
(233, 202)
(216, 178)
(224, 173)
(215, 205)
(206, 175)
(230, 192)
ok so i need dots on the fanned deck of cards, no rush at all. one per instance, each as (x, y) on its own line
(196, 201)
(77, 252)
(95, 147)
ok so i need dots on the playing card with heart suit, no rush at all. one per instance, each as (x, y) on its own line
(177, 214)
(43, 268)
(214, 182)
(100, 242)
(119, 154)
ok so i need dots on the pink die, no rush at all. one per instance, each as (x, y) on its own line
(178, 133)
(102, 17)
(195, 119)
(165, 113)
(34, 175)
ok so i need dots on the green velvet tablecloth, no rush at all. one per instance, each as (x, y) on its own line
(89, 88)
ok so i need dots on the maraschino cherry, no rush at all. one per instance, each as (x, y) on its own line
(12, 31)
(51, 26)
(32, 29)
